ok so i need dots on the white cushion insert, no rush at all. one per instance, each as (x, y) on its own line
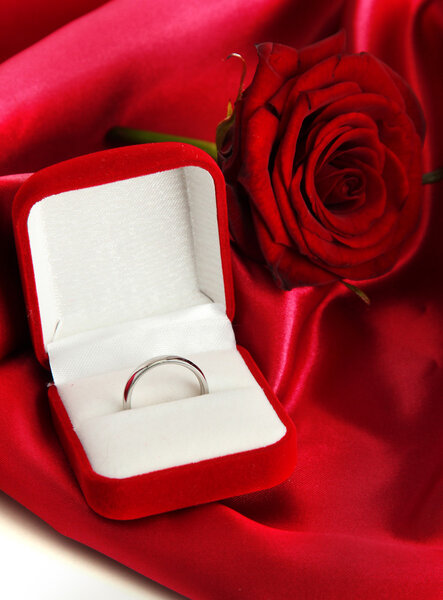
(187, 331)
(169, 425)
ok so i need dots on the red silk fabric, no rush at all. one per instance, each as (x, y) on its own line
(361, 515)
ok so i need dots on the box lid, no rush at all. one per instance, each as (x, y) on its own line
(119, 235)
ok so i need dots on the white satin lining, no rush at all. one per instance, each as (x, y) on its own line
(125, 250)
(200, 328)
(169, 425)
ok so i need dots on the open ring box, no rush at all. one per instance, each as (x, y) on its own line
(124, 256)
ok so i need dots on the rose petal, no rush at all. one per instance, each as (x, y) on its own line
(355, 229)
(315, 53)
(240, 220)
(277, 63)
(374, 261)
(254, 173)
(412, 104)
(362, 70)
(287, 62)
(395, 128)
(289, 267)
(329, 178)
(405, 226)
(364, 154)
(305, 105)
(364, 215)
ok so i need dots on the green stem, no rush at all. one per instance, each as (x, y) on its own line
(360, 293)
(433, 176)
(126, 135)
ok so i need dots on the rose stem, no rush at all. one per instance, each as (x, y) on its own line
(126, 135)
(433, 176)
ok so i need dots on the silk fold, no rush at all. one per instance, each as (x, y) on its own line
(361, 515)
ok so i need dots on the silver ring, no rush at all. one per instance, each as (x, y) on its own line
(155, 362)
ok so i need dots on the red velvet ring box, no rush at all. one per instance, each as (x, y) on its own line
(125, 256)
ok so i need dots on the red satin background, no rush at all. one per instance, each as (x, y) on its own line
(361, 515)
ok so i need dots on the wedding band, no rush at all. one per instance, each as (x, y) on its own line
(155, 362)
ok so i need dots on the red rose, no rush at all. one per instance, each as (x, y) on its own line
(323, 164)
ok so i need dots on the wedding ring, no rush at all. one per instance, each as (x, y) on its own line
(156, 362)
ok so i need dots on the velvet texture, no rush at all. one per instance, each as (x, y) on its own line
(174, 487)
(182, 486)
(361, 516)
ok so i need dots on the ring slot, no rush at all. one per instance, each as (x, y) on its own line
(155, 362)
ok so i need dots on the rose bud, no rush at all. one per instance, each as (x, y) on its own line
(323, 164)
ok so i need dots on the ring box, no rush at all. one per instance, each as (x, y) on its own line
(124, 256)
